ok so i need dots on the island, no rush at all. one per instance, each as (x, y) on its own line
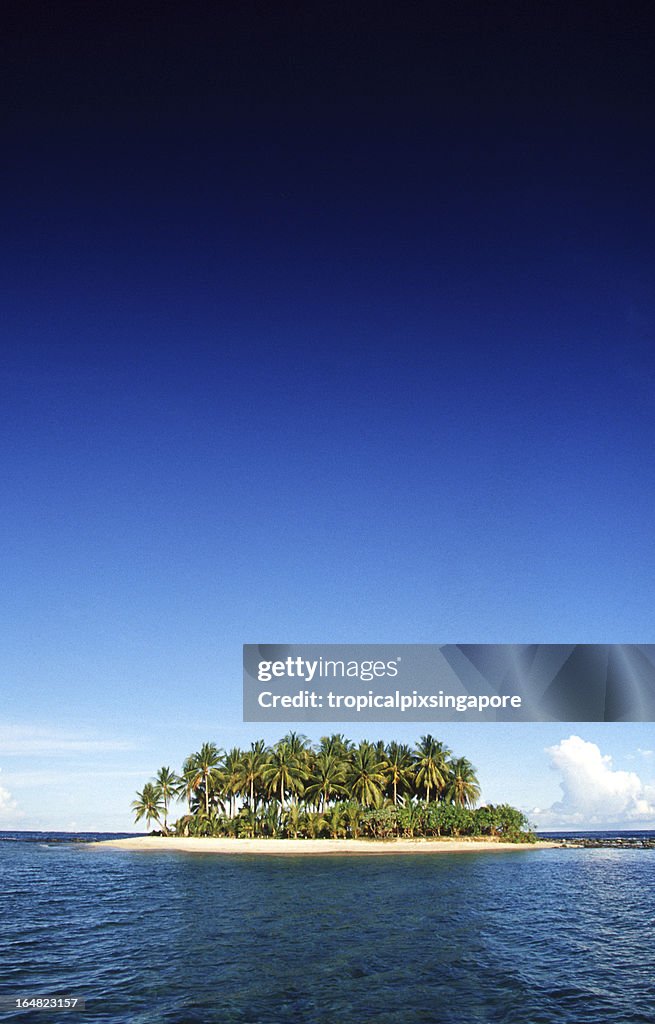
(333, 796)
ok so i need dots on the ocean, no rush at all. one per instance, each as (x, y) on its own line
(534, 936)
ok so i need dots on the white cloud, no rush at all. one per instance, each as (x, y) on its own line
(49, 777)
(21, 740)
(9, 810)
(594, 794)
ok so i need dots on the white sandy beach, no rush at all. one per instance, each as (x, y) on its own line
(310, 847)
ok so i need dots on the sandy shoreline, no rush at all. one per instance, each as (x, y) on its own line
(309, 847)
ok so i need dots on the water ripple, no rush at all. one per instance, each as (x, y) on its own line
(548, 937)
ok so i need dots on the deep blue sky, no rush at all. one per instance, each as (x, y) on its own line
(319, 325)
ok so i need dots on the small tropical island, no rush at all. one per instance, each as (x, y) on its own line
(295, 796)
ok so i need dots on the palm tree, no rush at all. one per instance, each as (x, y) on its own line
(283, 772)
(314, 823)
(366, 775)
(294, 819)
(399, 768)
(462, 786)
(337, 745)
(380, 750)
(185, 787)
(246, 822)
(301, 748)
(168, 783)
(202, 771)
(271, 821)
(354, 813)
(335, 820)
(232, 767)
(327, 779)
(149, 805)
(297, 743)
(248, 773)
(430, 762)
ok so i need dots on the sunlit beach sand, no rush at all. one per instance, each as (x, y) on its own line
(304, 847)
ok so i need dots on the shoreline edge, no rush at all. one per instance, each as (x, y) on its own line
(316, 847)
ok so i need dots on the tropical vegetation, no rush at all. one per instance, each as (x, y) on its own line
(333, 789)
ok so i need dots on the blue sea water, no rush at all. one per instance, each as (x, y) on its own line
(559, 936)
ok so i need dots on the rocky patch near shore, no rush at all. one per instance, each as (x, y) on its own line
(626, 843)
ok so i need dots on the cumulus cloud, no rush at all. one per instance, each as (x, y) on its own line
(594, 794)
(9, 809)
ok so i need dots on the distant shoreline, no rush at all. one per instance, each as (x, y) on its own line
(317, 847)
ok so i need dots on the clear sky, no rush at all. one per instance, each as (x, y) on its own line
(318, 325)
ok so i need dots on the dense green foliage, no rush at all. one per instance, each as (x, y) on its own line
(334, 789)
